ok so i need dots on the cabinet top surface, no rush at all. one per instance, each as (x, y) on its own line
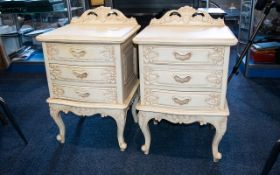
(184, 35)
(99, 25)
(81, 33)
(186, 26)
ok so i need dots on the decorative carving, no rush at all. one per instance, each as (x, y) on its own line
(216, 56)
(215, 78)
(149, 54)
(149, 98)
(186, 16)
(52, 50)
(149, 76)
(213, 100)
(82, 94)
(103, 15)
(108, 53)
(55, 72)
(57, 91)
(110, 75)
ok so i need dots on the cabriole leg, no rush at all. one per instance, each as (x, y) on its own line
(55, 114)
(221, 126)
(143, 123)
(120, 119)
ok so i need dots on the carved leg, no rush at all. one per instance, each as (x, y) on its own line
(221, 126)
(143, 123)
(59, 122)
(133, 109)
(120, 119)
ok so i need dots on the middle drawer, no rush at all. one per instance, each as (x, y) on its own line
(168, 76)
(96, 74)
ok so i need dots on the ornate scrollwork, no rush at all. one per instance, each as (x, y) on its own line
(149, 54)
(216, 56)
(149, 97)
(55, 72)
(186, 17)
(149, 76)
(103, 15)
(215, 78)
(57, 91)
(110, 75)
(213, 100)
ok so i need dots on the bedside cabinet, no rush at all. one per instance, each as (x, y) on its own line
(91, 67)
(184, 59)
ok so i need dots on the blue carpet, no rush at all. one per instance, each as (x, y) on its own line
(91, 146)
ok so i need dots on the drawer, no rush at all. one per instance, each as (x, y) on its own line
(102, 75)
(103, 54)
(183, 55)
(174, 77)
(183, 100)
(85, 94)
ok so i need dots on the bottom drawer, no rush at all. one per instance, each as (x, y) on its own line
(85, 94)
(184, 100)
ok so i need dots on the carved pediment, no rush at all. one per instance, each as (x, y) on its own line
(187, 16)
(103, 15)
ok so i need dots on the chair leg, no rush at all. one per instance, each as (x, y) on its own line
(3, 120)
(272, 158)
(11, 118)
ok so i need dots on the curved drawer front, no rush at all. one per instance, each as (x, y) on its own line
(183, 55)
(177, 78)
(104, 54)
(85, 94)
(104, 75)
(182, 100)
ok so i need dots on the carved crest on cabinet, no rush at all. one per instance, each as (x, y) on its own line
(57, 91)
(187, 16)
(55, 72)
(103, 15)
(149, 76)
(216, 56)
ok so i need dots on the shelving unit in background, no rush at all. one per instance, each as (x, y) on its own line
(37, 20)
(248, 19)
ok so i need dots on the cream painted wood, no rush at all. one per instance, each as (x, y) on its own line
(91, 68)
(183, 62)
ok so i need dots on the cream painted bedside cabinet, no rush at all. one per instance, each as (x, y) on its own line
(91, 67)
(184, 59)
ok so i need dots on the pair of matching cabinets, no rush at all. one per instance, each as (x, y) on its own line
(92, 67)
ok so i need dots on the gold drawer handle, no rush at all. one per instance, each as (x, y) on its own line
(80, 74)
(181, 102)
(83, 94)
(182, 80)
(77, 53)
(182, 57)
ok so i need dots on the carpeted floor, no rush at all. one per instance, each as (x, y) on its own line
(91, 144)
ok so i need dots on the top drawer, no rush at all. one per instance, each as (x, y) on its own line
(183, 55)
(103, 54)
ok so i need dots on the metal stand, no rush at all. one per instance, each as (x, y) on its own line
(250, 42)
(9, 115)
(272, 158)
